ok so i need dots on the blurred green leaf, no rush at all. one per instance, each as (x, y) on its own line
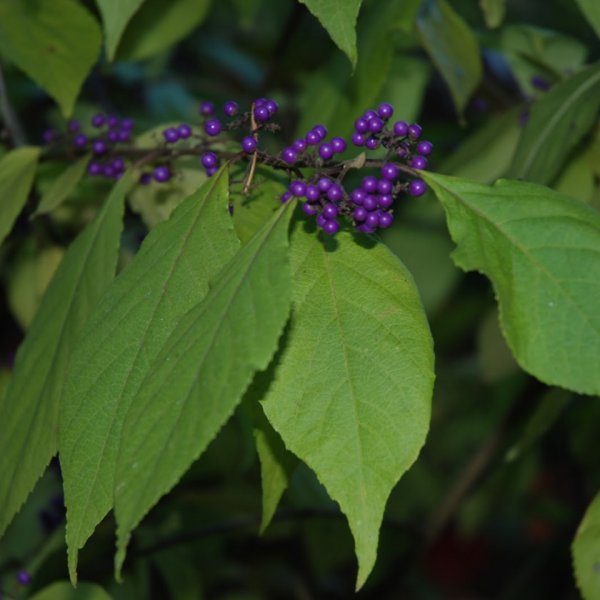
(541, 250)
(63, 590)
(157, 25)
(56, 43)
(29, 409)
(495, 359)
(115, 16)
(453, 49)
(62, 187)
(201, 373)
(168, 276)
(17, 170)
(338, 17)
(591, 10)
(352, 389)
(586, 552)
(557, 124)
(493, 12)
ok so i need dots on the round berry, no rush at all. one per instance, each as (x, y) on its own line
(108, 171)
(212, 127)
(23, 577)
(124, 135)
(402, 151)
(80, 140)
(321, 220)
(331, 227)
(385, 201)
(375, 125)
(184, 131)
(358, 139)
(385, 219)
(326, 151)
(417, 188)
(335, 192)
(49, 136)
(360, 213)
(161, 174)
(73, 125)
(364, 228)
(98, 120)
(289, 156)
(249, 144)
(271, 106)
(94, 168)
(127, 124)
(330, 211)
(207, 108)
(171, 135)
(285, 197)
(414, 131)
(418, 162)
(400, 128)
(118, 165)
(230, 108)
(312, 138)
(99, 148)
(338, 144)
(324, 184)
(370, 202)
(209, 160)
(321, 131)
(260, 102)
(112, 121)
(210, 172)
(113, 136)
(361, 125)
(372, 220)
(424, 147)
(309, 209)
(145, 178)
(369, 184)
(372, 144)
(385, 110)
(384, 186)
(298, 188)
(369, 114)
(313, 193)
(261, 113)
(390, 172)
(299, 145)
(358, 196)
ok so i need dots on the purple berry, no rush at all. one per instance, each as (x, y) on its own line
(49, 136)
(298, 188)
(184, 131)
(364, 228)
(261, 113)
(330, 211)
(372, 144)
(424, 147)
(338, 144)
(118, 165)
(313, 193)
(289, 156)
(73, 125)
(108, 171)
(211, 171)
(23, 577)
(99, 148)
(414, 131)
(384, 186)
(331, 227)
(207, 108)
(400, 128)
(358, 139)
(326, 151)
(358, 196)
(127, 124)
(112, 121)
(369, 114)
(209, 160)
(260, 102)
(94, 168)
(308, 209)
(370, 203)
(80, 140)
(230, 108)
(369, 184)
(312, 138)
(271, 106)
(285, 197)
(113, 136)
(98, 120)
(324, 184)
(299, 145)
(124, 135)
(418, 162)
(390, 172)
(375, 125)
(145, 178)
(249, 144)
(171, 135)
(402, 151)
(212, 127)
(360, 213)
(417, 188)
(372, 220)
(321, 220)
(321, 131)
(385, 201)
(385, 220)
(335, 192)
(361, 125)
(385, 110)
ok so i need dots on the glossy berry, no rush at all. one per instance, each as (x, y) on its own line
(424, 147)
(289, 156)
(414, 131)
(212, 127)
(321, 131)
(210, 172)
(335, 192)
(161, 174)
(312, 138)
(184, 131)
(385, 110)
(99, 148)
(118, 165)
(112, 121)
(418, 162)
(112, 136)
(309, 209)
(207, 108)
(372, 144)
(330, 211)
(299, 145)
(249, 144)
(285, 197)
(358, 196)
(127, 124)
(261, 113)
(321, 220)
(369, 184)
(298, 188)
(338, 144)
(390, 172)
(209, 160)
(385, 220)
(372, 220)
(360, 213)
(326, 151)
(384, 186)
(313, 193)
(358, 139)
(375, 125)
(369, 114)
(324, 184)
(98, 120)
(417, 188)
(370, 202)
(400, 128)
(331, 227)
(80, 140)
(171, 135)
(385, 201)
(361, 125)
(230, 108)
(94, 168)
(272, 107)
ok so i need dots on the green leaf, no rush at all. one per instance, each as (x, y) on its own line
(63, 590)
(56, 43)
(158, 25)
(352, 390)
(586, 552)
(168, 276)
(541, 251)
(62, 187)
(17, 170)
(591, 10)
(557, 124)
(29, 409)
(201, 373)
(493, 12)
(115, 16)
(338, 17)
(453, 49)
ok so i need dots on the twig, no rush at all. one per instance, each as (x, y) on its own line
(9, 116)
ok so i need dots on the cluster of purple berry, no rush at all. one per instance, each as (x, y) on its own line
(314, 139)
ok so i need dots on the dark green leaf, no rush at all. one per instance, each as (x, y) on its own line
(493, 12)
(115, 16)
(591, 10)
(586, 552)
(63, 590)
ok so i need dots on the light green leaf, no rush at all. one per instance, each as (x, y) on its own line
(29, 409)
(56, 43)
(168, 276)
(17, 170)
(453, 49)
(201, 373)
(591, 10)
(63, 590)
(352, 389)
(115, 16)
(158, 25)
(493, 12)
(586, 552)
(62, 187)
(338, 17)
(557, 124)
(542, 252)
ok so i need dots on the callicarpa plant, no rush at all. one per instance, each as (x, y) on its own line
(222, 298)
